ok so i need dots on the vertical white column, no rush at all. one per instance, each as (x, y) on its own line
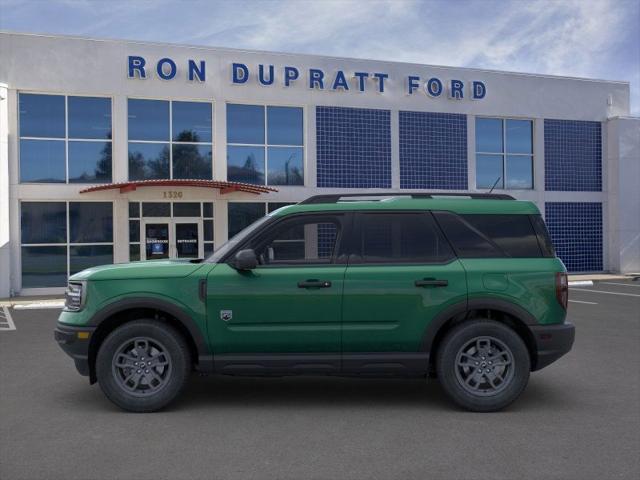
(471, 153)
(220, 142)
(395, 149)
(311, 163)
(538, 162)
(121, 230)
(220, 222)
(5, 244)
(120, 160)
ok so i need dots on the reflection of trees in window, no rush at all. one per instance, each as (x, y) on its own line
(291, 175)
(150, 168)
(248, 172)
(188, 162)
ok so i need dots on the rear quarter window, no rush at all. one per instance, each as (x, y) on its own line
(490, 236)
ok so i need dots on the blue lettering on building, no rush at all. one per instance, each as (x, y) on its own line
(316, 78)
(290, 74)
(340, 81)
(136, 66)
(479, 90)
(362, 77)
(196, 71)
(261, 77)
(164, 73)
(240, 73)
(455, 90)
(268, 75)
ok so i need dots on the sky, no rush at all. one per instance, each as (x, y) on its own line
(579, 38)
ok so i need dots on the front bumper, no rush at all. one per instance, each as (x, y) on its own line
(552, 342)
(75, 343)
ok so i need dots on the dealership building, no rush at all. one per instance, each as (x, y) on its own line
(116, 151)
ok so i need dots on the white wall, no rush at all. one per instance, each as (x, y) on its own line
(5, 250)
(623, 159)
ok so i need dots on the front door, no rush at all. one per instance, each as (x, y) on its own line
(403, 275)
(172, 238)
(285, 313)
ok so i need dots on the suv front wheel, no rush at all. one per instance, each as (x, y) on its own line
(483, 365)
(143, 365)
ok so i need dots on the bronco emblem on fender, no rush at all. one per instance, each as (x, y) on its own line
(226, 315)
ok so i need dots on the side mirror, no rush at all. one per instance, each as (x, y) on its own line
(245, 260)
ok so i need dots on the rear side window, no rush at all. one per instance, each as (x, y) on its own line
(490, 236)
(544, 240)
(401, 238)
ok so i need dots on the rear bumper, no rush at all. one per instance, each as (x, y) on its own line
(74, 345)
(552, 342)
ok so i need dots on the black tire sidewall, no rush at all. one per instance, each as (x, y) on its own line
(177, 349)
(446, 364)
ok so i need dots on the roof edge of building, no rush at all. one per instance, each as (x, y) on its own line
(315, 55)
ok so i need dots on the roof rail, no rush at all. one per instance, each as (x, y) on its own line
(336, 197)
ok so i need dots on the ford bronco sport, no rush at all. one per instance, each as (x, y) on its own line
(464, 288)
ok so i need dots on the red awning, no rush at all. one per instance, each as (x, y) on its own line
(224, 187)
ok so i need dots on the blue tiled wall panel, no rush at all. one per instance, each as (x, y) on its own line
(576, 231)
(572, 155)
(433, 150)
(353, 147)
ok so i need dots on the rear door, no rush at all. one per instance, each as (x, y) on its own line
(403, 274)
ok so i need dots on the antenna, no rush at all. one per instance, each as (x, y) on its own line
(494, 184)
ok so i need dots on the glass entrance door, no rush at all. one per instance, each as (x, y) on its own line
(172, 238)
(156, 240)
(188, 239)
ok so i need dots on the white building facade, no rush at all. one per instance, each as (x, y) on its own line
(114, 151)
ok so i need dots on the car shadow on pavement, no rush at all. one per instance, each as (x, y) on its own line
(312, 392)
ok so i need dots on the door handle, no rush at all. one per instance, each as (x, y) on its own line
(314, 284)
(431, 282)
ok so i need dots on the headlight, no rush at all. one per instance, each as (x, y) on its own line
(74, 297)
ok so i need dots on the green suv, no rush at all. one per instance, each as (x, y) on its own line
(465, 288)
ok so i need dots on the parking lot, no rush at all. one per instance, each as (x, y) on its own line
(578, 418)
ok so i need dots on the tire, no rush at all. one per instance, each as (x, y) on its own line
(166, 365)
(483, 365)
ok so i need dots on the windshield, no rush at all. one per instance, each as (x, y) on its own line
(238, 238)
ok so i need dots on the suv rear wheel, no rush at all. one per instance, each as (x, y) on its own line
(483, 365)
(143, 365)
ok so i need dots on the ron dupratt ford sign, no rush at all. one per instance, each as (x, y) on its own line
(313, 78)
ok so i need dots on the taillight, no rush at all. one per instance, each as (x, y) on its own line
(562, 289)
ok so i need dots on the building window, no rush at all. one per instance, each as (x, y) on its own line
(170, 139)
(65, 139)
(504, 153)
(353, 147)
(242, 214)
(265, 144)
(59, 239)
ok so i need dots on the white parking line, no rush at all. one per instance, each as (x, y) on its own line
(608, 293)
(6, 322)
(580, 301)
(38, 305)
(622, 284)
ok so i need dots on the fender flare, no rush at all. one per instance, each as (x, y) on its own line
(464, 307)
(156, 304)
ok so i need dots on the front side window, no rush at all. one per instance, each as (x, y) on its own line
(170, 139)
(401, 238)
(65, 139)
(504, 153)
(265, 144)
(307, 240)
